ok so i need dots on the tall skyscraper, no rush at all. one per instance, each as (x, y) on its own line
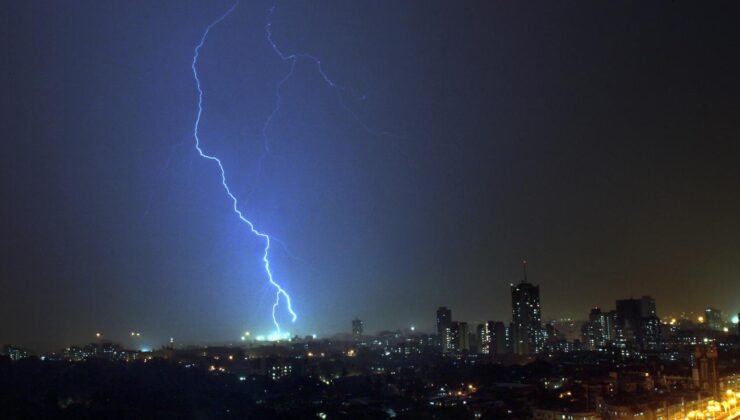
(357, 327)
(629, 314)
(599, 330)
(593, 330)
(501, 341)
(637, 322)
(526, 318)
(493, 338)
(458, 336)
(444, 319)
(485, 337)
(610, 330)
(713, 319)
(649, 338)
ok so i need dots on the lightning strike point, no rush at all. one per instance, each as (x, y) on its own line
(235, 204)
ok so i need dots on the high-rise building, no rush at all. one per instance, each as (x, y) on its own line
(485, 337)
(357, 327)
(637, 323)
(493, 338)
(593, 330)
(444, 319)
(650, 337)
(713, 319)
(501, 339)
(610, 326)
(647, 307)
(458, 336)
(629, 314)
(526, 318)
(599, 331)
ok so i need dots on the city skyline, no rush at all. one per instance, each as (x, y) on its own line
(417, 152)
(527, 337)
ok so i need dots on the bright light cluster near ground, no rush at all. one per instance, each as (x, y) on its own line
(275, 336)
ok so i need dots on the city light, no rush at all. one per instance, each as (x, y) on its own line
(725, 409)
(275, 336)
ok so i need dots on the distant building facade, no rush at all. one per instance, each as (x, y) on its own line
(444, 320)
(358, 328)
(599, 331)
(637, 323)
(15, 353)
(485, 337)
(526, 331)
(713, 319)
(459, 339)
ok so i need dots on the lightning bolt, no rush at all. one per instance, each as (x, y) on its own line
(292, 59)
(235, 204)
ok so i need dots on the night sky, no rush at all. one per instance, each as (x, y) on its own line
(597, 140)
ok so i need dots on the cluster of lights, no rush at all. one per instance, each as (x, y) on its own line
(700, 319)
(275, 336)
(728, 406)
(565, 394)
(462, 392)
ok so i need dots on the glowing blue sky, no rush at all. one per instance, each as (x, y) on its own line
(595, 140)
